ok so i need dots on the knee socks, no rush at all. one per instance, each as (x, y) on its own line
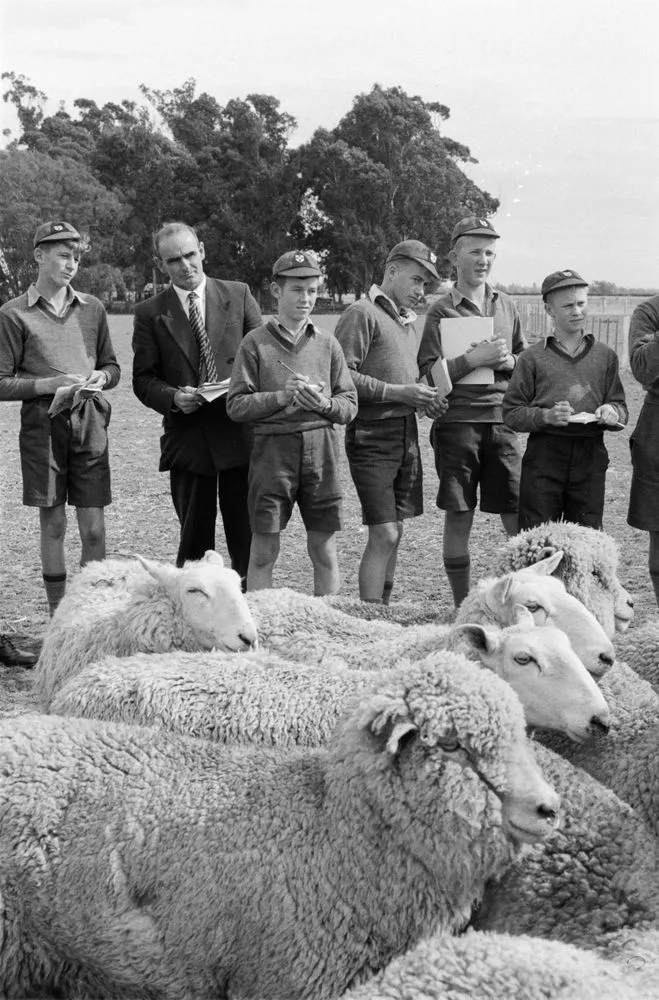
(386, 593)
(55, 587)
(457, 571)
(654, 576)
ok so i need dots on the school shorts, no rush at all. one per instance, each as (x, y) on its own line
(66, 458)
(300, 467)
(469, 456)
(385, 465)
(563, 478)
(644, 493)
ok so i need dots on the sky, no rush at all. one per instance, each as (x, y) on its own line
(558, 101)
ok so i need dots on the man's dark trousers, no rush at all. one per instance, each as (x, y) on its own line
(195, 499)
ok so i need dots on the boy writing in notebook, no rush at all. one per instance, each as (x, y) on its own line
(290, 381)
(558, 381)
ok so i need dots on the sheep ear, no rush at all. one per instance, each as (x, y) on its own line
(388, 719)
(523, 616)
(499, 594)
(161, 573)
(477, 637)
(546, 565)
(212, 556)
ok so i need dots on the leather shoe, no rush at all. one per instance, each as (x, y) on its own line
(13, 657)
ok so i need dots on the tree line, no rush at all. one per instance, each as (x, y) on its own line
(385, 173)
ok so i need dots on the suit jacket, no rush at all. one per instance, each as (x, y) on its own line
(166, 356)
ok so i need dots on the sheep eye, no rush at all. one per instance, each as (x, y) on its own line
(195, 590)
(533, 607)
(523, 659)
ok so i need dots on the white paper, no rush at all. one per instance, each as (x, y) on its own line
(213, 390)
(440, 377)
(459, 334)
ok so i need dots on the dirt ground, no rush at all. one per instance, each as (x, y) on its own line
(141, 519)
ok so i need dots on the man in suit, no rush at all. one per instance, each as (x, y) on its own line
(178, 344)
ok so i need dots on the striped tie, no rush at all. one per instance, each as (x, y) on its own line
(207, 366)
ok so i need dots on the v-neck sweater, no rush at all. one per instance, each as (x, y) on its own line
(258, 380)
(545, 375)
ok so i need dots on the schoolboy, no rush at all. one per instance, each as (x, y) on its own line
(53, 338)
(380, 342)
(474, 451)
(558, 381)
(290, 381)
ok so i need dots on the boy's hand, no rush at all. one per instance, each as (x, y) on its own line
(488, 353)
(437, 407)
(187, 399)
(417, 395)
(97, 380)
(49, 386)
(607, 414)
(312, 397)
(559, 415)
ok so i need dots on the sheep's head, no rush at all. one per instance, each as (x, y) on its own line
(588, 567)
(554, 687)
(208, 597)
(445, 710)
(549, 602)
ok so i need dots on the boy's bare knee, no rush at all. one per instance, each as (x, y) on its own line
(52, 521)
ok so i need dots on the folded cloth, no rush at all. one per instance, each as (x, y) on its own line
(86, 406)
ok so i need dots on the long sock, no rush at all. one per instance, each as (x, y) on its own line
(655, 583)
(55, 585)
(457, 571)
(386, 593)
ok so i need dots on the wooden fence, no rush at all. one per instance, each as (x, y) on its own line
(610, 328)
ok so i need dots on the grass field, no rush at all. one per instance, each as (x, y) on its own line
(142, 520)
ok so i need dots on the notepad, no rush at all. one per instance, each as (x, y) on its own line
(439, 377)
(213, 390)
(459, 334)
(590, 418)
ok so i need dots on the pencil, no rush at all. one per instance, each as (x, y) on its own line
(284, 365)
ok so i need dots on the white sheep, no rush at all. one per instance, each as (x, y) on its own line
(308, 630)
(588, 567)
(258, 697)
(484, 966)
(140, 863)
(123, 607)
(626, 759)
(424, 611)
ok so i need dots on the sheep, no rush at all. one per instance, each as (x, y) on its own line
(639, 649)
(308, 630)
(484, 966)
(596, 876)
(258, 697)
(139, 863)
(589, 567)
(116, 607)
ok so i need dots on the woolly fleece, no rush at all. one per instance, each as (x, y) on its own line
(143, 864)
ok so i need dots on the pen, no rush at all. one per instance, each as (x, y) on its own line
(284, 365)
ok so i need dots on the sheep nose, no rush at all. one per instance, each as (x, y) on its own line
(547, 812)
(600, 723)
(607, 660)
(247, 640)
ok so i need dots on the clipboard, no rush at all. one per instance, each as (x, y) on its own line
(458, 334)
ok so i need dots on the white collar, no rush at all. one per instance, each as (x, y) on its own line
(405, 316)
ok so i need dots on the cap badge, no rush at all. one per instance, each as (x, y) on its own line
(567, 274)
(483, 222)
(299, 258)
(432, 257)
(57, 227)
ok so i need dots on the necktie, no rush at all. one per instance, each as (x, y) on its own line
(207, 366)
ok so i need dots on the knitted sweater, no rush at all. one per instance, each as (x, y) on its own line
(545, 375)
(380, 351)
(256, 393)
(35, 343)
(644, 347)
(469, 403)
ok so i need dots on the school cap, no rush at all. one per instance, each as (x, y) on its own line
(473, 225)
(562, 279)
(49, 232)
(417, 251)
(296, 264)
